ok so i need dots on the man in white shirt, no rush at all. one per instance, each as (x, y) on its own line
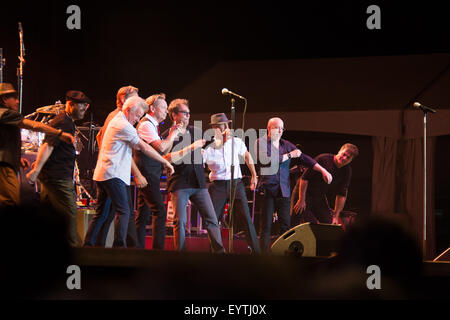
(112, 172)
(218, 157)
(150, 200)
(97, 236)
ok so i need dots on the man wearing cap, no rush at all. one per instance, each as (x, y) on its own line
(188, 182)
(150, 200)
(218, 157)
(10, 143)
(55, 163)
(274, 155)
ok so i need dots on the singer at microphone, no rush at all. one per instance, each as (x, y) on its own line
(225, 91)
(418, 105)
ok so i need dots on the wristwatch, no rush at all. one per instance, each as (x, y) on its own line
(60, 133)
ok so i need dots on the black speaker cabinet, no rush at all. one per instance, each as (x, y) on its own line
(309, 240)
(84, 216)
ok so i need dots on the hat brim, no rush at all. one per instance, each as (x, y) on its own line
(79, 101)
(8, 92)
(222, 122)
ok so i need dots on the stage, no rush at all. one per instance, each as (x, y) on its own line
(146, 274)
(200, 243)
(197, 275)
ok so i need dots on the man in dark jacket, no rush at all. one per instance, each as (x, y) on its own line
(274, 155)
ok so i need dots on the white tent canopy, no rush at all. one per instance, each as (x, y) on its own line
(370, 96)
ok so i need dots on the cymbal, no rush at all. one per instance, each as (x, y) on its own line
(51, 109)
(87, 128)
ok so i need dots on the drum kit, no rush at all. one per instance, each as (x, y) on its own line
(32, 140)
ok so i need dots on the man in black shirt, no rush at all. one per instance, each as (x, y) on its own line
(55, 163)
(10, 143)
(312, 204)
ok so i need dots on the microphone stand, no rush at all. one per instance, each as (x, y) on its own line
(231, 211)
(20, 69)
(424, 243)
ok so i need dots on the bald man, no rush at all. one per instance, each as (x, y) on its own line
(274, 155)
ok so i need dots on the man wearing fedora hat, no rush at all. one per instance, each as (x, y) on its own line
(11, 121)
(55, 163)
(218, 157)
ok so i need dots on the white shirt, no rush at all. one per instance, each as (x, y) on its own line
(114, 159)
(147, 130)
(219, 160)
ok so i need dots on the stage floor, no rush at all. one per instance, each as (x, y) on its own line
(200, 243)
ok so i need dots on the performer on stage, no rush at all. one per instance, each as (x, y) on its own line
(55, 163)
(188, 181)
(113, 168)
(218, 158)
(97, 236)
(10, 143)
(150, 200)
(274, 156)
(312, 204)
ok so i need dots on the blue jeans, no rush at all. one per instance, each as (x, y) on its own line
(202, 200)
(115, 191)
(99, 236)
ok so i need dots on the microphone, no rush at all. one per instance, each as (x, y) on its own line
(418, 105)
(22, 45)
(225, 91)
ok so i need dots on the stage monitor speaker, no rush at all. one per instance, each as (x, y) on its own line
(309, 240)
(84, 216)
(444, 256)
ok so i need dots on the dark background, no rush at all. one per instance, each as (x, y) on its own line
(162, 46)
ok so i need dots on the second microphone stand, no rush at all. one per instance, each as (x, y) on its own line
(20, 68)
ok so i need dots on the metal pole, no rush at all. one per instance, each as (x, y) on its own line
(2, 63)
(230, 231)
(424, 184)
(20, 70)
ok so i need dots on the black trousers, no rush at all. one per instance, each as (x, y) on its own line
(317, 208)
(271, 204)
(151, 203)
(219, 191)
